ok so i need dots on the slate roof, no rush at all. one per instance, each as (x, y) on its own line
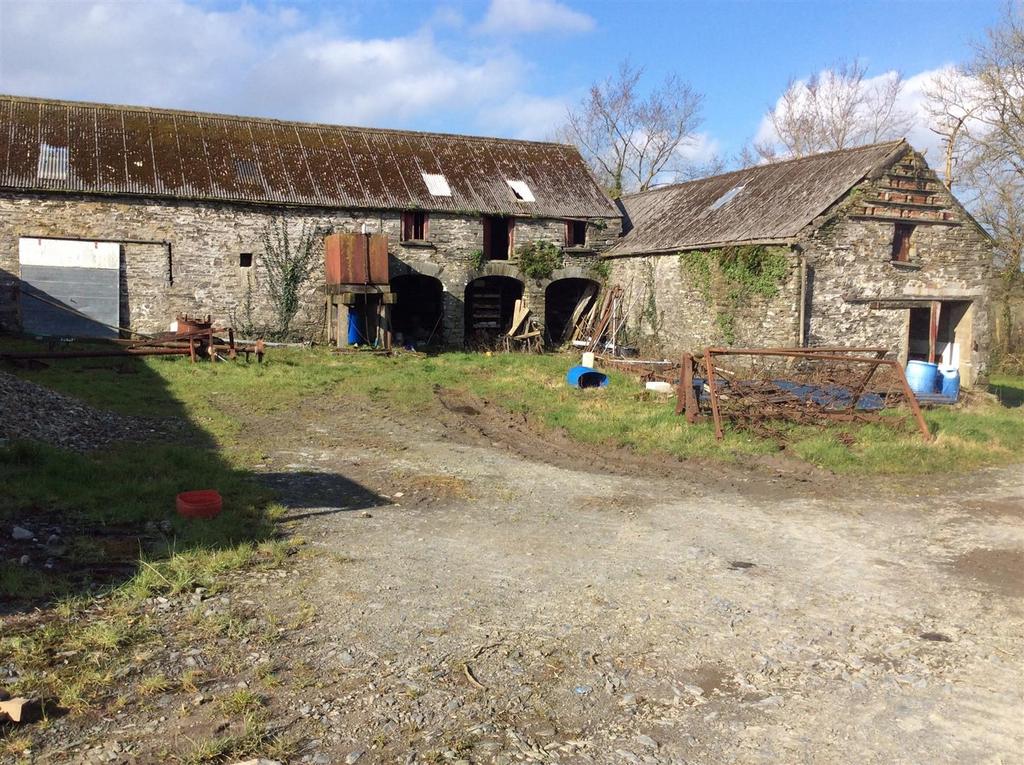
(65, 146)
(760, 204)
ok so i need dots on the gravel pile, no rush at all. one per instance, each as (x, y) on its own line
(33, 412)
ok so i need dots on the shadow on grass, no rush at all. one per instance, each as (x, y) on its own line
(328, 492)
(95, 516)
(1008, 395)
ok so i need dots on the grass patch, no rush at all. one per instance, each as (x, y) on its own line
(117, 504)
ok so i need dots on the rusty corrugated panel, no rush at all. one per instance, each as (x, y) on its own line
(341, 167)
(24, 154)
(765, 203)
(82, 148)
(321, 169)
(277, 183)
(195, 170)
(378, 259)
(6, 128)
(139, 171)
(220, 138)
(54, 166)
(147, 152)
(356, 258)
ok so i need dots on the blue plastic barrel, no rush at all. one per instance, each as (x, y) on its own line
(922, 376)
(586, 377)
(950, 382)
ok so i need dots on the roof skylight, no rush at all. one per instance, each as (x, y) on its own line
(521, 190)
(437, 184)
(53, 163)
(725, 198)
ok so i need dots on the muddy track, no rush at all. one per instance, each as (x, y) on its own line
(472, 420)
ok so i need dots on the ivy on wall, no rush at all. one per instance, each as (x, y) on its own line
(540, 259)
(729, 277)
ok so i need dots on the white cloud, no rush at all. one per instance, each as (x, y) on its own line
(911, 102)
(525, 116)
(524, 16)
(700, 149)
(247, 60)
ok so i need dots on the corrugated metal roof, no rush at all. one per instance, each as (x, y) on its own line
(186, 155)
(758, 204)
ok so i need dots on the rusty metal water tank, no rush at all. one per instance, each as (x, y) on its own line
(356, 258)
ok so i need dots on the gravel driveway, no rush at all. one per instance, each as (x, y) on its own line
(483, 593)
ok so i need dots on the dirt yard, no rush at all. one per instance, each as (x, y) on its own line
(474, 591)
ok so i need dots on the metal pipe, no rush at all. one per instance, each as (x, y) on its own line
(96, 354)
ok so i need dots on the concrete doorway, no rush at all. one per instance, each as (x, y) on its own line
(940, 332)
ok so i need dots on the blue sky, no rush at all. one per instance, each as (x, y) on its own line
(501, 67)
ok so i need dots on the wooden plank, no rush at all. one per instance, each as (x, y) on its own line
(933, 330)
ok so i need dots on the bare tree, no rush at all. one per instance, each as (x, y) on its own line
(632, 140)
(978, 109)
(952, 101)
(835, 109)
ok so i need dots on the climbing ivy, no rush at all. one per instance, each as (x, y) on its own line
(538, 260)
(476, 259)
(601, 268)
(728, 277)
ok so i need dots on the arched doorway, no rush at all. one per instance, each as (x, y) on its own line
(490, 303)
(418, 311)
(565, 302)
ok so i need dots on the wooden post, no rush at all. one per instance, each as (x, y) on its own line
(342, 324)
(709, 366)
(681, 388)
(385, 322)
(933, 330)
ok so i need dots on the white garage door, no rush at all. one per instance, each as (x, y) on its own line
(58, 275)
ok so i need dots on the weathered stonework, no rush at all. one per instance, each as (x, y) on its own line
(202, 273)
(858, 295)
(667, 312)
(854, 293)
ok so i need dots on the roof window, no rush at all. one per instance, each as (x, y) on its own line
(727, 197)
(521, 190)
(437, 184)
(53, 163)
(248, 171)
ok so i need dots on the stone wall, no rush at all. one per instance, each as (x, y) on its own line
(857, 294)
(203, 274)
(667, 312)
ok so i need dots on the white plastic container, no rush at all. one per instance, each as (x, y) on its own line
(588, 360)
(659, 386)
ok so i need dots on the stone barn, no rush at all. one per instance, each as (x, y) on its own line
(130, 216)
(860, 247)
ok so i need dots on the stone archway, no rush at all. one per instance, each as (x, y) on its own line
(565, 301)
(490, 302)
(418, 312)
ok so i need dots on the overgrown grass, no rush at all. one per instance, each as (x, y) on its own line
(128, 491)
